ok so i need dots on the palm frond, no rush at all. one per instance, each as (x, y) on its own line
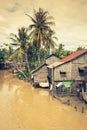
(50, 23)
(32, 26)
(14, 55)
(14, 40)
(33, 20)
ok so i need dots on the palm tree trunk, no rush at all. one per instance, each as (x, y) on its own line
(39, 45)
(26, 61)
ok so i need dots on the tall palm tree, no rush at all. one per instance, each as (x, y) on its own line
(50, 41)
(61, 47)
(21, 41)
(41, 24)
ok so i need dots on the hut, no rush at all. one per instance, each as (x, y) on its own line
(71, 68)
(40, 74)
(51, 59)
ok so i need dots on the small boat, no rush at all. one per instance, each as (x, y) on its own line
(44, 84)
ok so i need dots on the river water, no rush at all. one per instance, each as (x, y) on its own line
(23, 107)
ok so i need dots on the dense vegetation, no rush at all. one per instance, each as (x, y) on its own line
(33, 44)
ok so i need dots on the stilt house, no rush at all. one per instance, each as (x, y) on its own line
(40, 73)
(71, 68)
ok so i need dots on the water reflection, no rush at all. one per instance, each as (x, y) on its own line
(24, 108)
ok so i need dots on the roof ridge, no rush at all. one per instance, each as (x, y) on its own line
(73, 55)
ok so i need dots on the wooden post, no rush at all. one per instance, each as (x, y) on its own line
(83, 108)
(53, 92)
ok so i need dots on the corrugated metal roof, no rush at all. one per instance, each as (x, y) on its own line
(72, 56)
(68, 58)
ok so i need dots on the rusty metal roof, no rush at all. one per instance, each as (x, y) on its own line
(72, 56)
(67, 59)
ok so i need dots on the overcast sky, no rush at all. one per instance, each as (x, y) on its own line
(70, 17)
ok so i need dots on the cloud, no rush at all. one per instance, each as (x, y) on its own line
(12, 7)
(70, 17)
(3, 23)
(83, 2)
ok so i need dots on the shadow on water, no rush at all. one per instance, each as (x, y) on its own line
(2, 66)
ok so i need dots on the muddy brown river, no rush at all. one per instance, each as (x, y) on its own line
(23, 107)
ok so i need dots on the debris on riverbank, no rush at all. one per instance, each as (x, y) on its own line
(74, 102)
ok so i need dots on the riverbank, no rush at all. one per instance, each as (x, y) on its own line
(73, 101)
(23, 107)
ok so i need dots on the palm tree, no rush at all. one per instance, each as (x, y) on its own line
(41, 24)
(21, 41)
(61, 47)
(80, 48)
(50, 41)
(60, 51)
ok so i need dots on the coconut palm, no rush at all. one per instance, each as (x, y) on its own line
(61, 47)
(21, 41)
(80, 48)
(41, 24)
(50, 41)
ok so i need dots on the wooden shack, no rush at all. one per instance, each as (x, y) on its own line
(51, 59)
(40, 73)
(71, 68)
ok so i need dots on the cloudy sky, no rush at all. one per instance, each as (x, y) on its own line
(70, 17)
